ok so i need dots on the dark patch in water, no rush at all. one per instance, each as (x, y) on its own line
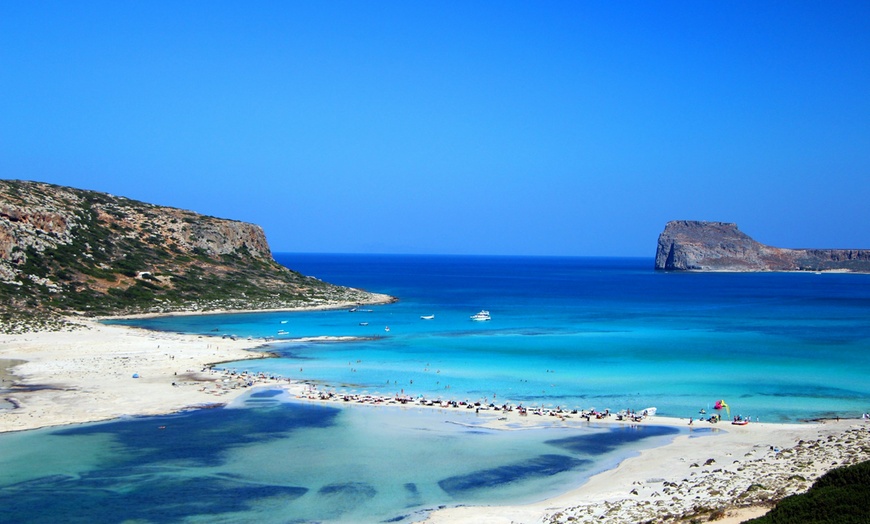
(203, 436)
(344, 490)
(269, 393)
(413, 498)
(117, 495)
(541, 466)
(598, 443)
(810, 391)
(139, 481)
(345, 496)
(291, 353)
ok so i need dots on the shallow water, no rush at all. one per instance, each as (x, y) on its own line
(267, 458)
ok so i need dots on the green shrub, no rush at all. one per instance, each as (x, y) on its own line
(839, 497)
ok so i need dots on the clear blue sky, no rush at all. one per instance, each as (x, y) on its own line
(467, 127)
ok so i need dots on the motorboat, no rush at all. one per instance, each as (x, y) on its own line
(427, 317)
(483, 315)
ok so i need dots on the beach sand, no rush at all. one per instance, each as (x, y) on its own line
(86, 375)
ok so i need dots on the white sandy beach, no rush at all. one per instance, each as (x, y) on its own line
(87, 375)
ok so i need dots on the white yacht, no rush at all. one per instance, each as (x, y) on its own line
(483, 315)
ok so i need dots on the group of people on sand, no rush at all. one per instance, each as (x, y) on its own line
(233, 379)
(403, 399)
(739, 420)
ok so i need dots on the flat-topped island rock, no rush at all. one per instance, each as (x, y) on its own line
(690, 245)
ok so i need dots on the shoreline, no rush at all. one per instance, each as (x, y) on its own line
(784, 271)
(728, 473)
(102, 372)
(378, 299)
(737, 474)
(87, 375)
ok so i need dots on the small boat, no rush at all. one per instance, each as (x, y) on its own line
(387, 328)
(283, 332)
(482, 316)
(427, 317)
(741, 422)
(363, 323)
(283, 321)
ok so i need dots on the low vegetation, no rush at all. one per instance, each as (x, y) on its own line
(838, 497)
(66, 251)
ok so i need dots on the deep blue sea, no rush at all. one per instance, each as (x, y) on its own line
(569, 332)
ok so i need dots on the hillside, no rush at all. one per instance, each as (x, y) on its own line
(721, 246)
(66, 250)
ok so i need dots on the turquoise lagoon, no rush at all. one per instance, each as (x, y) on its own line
(580, 333)
(569, 332)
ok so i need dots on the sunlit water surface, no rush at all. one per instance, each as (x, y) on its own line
(574, 333)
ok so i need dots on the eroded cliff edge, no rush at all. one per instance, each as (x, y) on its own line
(689, 245)
(65, 250)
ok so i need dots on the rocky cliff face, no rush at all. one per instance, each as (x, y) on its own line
(720, 246)
(65, 249)
(38, 217)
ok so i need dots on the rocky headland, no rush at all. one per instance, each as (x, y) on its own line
(69, 251)
(688, 245)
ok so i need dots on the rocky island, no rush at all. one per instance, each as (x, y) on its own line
(69, 251)
(689, 245)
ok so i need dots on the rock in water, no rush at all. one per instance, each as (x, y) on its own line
(689, 245)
